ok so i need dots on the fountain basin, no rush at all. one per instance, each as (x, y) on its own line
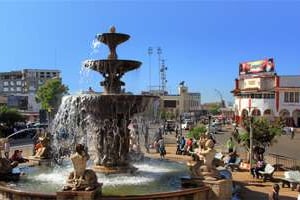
(155, 179)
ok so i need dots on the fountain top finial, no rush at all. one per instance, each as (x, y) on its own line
(112, 29)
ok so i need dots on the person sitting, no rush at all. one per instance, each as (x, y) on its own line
(17, 156)
(232, 157)
(182, 145)
(189, 146)
(260, 166)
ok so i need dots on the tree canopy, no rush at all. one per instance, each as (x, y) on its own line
(264, 131)
(50, 94)
(9, 116)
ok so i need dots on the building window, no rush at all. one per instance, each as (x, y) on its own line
(291, 97)
(12, 83)
(297, 94)
(286, 97)
(12, 89)
(5, 89)
(18, 89)
(19, 83)
(5, 83)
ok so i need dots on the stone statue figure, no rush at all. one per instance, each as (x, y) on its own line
(205, 166)
(81, 178)
(42, 148)
(6, 166)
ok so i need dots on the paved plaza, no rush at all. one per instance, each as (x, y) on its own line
(250, 188)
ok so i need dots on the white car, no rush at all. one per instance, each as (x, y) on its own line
(286, 130)
(214, 128)
(186, 125)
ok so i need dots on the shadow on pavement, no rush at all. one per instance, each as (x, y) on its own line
(248, 194)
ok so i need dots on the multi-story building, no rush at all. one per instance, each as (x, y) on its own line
(259, 91)
(183, 102)
(19, 89)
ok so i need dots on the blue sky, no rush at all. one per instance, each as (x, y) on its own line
(202, 42)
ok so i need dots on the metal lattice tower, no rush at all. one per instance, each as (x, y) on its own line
(163, 76)
(159, 52)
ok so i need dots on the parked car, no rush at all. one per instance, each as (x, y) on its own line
(186, 125)
(214, 128)
(286, 130)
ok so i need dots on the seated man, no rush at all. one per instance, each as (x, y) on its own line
(232, 157)
(260, 166)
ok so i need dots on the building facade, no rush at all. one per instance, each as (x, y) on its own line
(19, 88)
(264, 93)
(183, 102)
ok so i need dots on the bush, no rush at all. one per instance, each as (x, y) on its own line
(197, 131)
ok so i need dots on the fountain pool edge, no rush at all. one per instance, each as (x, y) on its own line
(199, 193)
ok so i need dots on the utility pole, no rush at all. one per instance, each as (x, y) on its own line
(251, 143)
(251, 133)
(159, 52)
(150, 52)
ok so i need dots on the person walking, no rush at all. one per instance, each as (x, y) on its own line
(292, 133)
(162, 150)
(230, 145)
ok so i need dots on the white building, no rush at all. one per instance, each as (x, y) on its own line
(19, 89)
(264, 93)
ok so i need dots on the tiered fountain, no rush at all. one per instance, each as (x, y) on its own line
(104, 118)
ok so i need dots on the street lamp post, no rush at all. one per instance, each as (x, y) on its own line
(209, 123)
(180, 124)
(251, 143)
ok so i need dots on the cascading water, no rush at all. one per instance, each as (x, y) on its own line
(100, 121)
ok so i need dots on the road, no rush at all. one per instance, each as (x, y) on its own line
(284, 146)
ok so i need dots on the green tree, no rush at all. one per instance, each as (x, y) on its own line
(50, 94)
(215, 109)
(264, 131)
(9, 116)
(197, 131)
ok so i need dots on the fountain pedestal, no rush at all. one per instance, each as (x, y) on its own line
(38, 161)
(79, 195)
(115, 170)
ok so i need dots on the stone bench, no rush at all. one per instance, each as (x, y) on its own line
(291, 179)
(267, 173)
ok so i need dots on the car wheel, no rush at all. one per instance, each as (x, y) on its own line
(283, 133)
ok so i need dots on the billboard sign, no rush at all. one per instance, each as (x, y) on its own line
(259, 66)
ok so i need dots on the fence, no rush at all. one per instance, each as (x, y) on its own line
(282, 162)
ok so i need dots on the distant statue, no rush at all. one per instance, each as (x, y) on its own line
(205, 166)
(181, 83)
(81, 178)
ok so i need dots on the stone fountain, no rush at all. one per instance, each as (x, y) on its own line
(102, 120)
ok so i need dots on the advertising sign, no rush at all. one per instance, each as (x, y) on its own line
(252, 83)
(259, 66)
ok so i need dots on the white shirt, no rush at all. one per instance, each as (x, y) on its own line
(298, 197)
